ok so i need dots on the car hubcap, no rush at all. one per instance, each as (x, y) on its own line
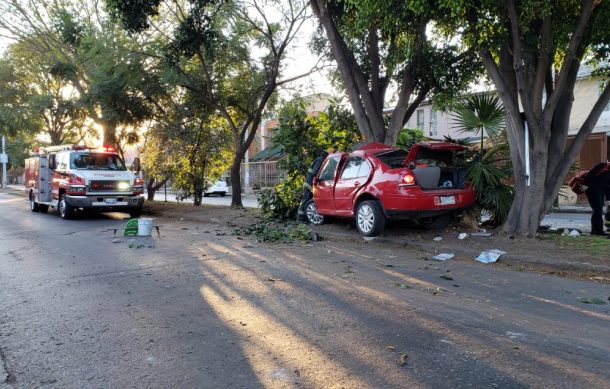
(313, 215)
(365, 218)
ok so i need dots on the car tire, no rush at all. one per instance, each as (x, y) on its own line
(223, 194)
(44, 208)
(66, 211)
(34, 206)
(370, 219)
(206, 195)
(135, 212)
(437, 222)
(312, 215)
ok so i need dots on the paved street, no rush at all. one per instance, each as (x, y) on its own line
(199, 307)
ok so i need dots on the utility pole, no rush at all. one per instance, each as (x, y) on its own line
(4, 160)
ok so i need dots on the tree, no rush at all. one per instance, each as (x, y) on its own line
(482, 114)
(303, 136)
(532, 51)
(49, 102)
(377, 43)
(227, 55)
(79, 47)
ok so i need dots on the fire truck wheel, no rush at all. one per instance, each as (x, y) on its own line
(43, 208)
(135, 212)
(65, 210)
(33, 204)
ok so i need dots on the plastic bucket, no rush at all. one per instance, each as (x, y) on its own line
(145, 227)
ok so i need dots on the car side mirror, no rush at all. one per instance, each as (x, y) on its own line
(52, 163)
(314, 181)
(412, 165)
(135, 166)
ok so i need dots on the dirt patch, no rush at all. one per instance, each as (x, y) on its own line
(561, 256)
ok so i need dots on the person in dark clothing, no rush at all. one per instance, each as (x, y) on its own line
(598, 191)
(307, 189)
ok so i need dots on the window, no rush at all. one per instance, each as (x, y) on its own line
(62, 162)
(327, 173)
(355, 167)
(420, 119)
(433, 125)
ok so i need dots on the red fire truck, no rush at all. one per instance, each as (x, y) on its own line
(75, 178)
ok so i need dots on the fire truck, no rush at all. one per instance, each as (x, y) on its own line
(76, 178)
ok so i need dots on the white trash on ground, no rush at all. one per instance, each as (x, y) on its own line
(462, 236)
(490, 256)
(443, 256)
(437, 239)
(574, 233)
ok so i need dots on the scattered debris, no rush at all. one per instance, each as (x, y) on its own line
(446, 278)
(117, 240)
(490, 256)
(574, 233)
(391, 348)
(443, 256)
(515, 335)
(594, 300)
(437, 239)
(402, 286)
(403, 359)
(249, 246)
(483, 234)
(462, 236)
(369, 238)
(270, 279)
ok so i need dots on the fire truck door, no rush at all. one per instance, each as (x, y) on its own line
(44, 180)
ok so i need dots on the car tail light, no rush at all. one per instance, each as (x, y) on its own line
(138, 186)
(408, 179)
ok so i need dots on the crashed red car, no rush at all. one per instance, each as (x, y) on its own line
(379, 182)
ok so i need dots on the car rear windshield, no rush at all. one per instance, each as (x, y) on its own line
(96, 161)
(393, 158)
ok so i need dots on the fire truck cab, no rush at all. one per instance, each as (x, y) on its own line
(75, 178)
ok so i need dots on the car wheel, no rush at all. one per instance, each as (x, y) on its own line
(43, 208)
(370, 219)
(223, 194)
(66, 211)
(437, 222)
(312, 215)
(135, 212)
(34, 207)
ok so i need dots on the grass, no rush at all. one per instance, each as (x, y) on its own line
(597, 246)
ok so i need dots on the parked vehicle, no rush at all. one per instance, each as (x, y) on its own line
(219, 188)
(380, 182)
(76, 178)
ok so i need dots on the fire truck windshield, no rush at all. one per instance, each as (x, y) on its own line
(96, 161)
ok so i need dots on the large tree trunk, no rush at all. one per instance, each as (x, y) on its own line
(236, 184)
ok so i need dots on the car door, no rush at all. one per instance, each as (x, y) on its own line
(354, 176)
(323, 190)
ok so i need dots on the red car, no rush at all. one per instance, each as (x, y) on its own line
(379, 182)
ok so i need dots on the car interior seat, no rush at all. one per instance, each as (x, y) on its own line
(427, 177)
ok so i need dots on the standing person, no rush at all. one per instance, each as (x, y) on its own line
(598, 190)
(307, 189)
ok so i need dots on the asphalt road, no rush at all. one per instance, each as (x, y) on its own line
(199, 307)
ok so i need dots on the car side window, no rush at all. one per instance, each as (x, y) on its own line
(352, 166)
(327, 172)
(365, 169)
(62, 162)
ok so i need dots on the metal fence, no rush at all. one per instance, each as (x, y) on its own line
(261, 175)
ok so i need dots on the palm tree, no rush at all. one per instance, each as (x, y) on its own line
(479, 114)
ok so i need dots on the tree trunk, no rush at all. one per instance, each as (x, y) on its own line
(152, 186)
(236, 184)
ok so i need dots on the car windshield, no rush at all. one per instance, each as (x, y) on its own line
(96, 161)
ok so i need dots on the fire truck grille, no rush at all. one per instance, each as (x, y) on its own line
(109, 186)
